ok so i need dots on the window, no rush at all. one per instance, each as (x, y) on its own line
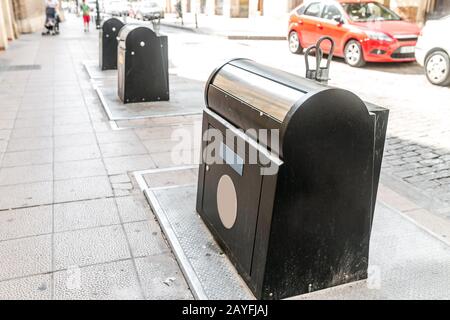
(369, 11)
(313, 9)
(301, 10)
(331, 12)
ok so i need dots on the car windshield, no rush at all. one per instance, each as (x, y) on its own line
(369, 11)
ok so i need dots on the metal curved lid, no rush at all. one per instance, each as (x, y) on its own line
(128, 28)
(270, 91)
(113, 22)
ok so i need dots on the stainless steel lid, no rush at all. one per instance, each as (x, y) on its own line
(128, 28)
(267, 96)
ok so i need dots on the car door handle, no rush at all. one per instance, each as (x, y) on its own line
(319, 26)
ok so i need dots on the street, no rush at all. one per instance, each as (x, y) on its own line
(417, 155)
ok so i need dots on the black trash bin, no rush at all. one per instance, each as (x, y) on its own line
(108, 43)
(298, 218)
(143, 65)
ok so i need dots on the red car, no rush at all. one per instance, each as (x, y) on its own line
(363, 30)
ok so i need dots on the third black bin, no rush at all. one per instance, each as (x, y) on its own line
(306, 225)
(108, 43)
(143, 65)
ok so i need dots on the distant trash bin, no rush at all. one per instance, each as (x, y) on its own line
(299, 218)
(108, 43)
(143, 65)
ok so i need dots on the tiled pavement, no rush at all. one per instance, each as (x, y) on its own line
(65, 173)
(72, 222)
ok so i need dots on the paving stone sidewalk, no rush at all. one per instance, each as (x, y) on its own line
(73, 224)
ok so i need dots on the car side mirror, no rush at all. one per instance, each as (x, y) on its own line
(338, 19)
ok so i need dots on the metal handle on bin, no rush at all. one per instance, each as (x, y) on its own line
(320, 74)
(312, 73)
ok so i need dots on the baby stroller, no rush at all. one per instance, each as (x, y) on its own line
(51, 22)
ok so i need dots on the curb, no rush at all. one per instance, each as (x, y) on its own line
(228, 36)
(433, 223)
(251, 37)
(416, 195)
(177, 26)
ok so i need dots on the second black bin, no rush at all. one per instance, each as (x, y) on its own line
(108, 43)
(306, 225)
(143, 65)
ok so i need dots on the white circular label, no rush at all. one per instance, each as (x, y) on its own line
(227, 201)
(142, 43)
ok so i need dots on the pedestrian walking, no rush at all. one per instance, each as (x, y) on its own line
(86, 12)
(51, 18)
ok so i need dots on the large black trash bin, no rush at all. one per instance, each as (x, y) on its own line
(108, 43)
(305, 226)
(143, 65)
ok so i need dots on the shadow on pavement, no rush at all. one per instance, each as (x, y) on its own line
(410, 68)
(396, 67)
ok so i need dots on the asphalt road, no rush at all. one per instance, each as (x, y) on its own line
(417, 158)
(417, 155)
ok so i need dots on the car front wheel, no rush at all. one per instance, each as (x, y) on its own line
(437, 68)
(294, 43)
(353, 54)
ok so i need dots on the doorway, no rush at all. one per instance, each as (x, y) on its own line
(218, 7)
(202, 6)
(438, 9)
(239, 8)
(188, 6)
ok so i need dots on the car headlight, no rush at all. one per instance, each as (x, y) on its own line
(378, 36)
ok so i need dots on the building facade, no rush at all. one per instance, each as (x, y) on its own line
(19, 16)
(412, 10)
(236, 8)
(7, 24)
(29, 15)
(420, 10)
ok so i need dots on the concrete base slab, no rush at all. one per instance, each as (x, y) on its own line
(183, 101)
(94, 71)
(186, 97)
(208, 271)
(406, 261)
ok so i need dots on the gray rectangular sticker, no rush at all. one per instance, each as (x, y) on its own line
(231, 158)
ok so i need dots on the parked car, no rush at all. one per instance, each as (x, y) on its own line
(149, 10)
(117, 8)
(363, 30)
(433, 51)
